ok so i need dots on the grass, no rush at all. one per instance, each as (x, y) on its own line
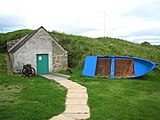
(124, 99)
(33, 98)
(112, 99)
(78, 47)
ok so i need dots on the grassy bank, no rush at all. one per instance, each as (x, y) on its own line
(32, 98)
(123, 99)
(78, 47)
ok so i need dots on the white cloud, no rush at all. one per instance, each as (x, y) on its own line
(85, 17)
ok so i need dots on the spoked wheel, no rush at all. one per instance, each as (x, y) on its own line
(33, 72)
(24, 72)
(28, 71)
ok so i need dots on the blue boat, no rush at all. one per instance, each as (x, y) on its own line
(117, 66)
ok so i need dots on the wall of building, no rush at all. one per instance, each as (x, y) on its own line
(40, 43)
(60, 57)
(11, 57)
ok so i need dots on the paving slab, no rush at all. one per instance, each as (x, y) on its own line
(79, 116)
(62, 117)
(77, 109)
(77, 90)
(69, 84)
(76, 101)
(77, 95)
(54, 77)
(58, 79)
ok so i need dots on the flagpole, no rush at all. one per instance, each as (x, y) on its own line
(104, 24)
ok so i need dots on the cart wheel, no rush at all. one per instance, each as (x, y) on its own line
(24, 72)
(33, 71)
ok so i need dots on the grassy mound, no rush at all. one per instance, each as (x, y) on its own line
(128, 99)
(78, 47)
(28, 98)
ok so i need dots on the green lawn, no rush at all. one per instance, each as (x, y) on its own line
(33, 98)
(36, 98)
(123, 99)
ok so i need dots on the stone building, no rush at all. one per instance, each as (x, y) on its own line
(40, 50)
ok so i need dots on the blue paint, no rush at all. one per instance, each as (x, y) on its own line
(112, 67)
(141, 66)
(90, 66)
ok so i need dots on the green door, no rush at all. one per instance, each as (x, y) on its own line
(42, 64)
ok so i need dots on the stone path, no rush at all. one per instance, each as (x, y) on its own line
(76, 100)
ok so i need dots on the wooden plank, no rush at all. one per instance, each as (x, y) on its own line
(124, 68)
(103, 67)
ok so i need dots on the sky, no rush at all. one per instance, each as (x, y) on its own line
(133, 20)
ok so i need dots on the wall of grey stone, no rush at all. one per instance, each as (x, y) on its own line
(40, 43)
(11, 57)
(60, 57)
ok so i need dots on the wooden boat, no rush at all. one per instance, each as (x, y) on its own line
(117, 66)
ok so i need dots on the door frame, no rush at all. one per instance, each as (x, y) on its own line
(37, 64)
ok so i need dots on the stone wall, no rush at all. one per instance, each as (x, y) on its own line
(60, 57)
(40, 43)
(10, 44)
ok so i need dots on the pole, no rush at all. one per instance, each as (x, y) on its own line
(104, 24)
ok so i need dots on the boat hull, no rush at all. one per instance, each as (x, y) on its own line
(117, 66)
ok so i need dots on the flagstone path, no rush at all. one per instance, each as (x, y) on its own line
(76, 107)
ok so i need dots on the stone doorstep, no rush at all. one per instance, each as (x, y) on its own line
(62, 117)
(58, 79)
(77, 95)
(61, 75)
(78, 116)
(76, 101)
(47, 76)
(53, 77)
(77, 109)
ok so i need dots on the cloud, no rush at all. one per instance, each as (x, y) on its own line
(77, 30)
(150, 35)
(147, 11)
(10, 23)
(139, 39)
(141, 23)
(150, 40)
(146, 32)
(128, 19)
